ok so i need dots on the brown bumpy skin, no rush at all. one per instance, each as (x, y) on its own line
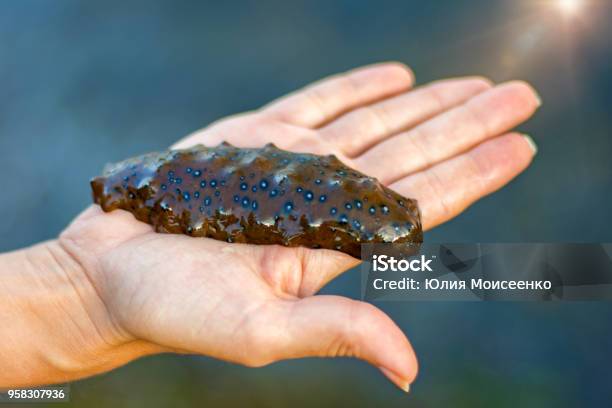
(259, 196)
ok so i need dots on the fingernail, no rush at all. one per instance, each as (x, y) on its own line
(399, 382)
(531, 143)
(538, 99)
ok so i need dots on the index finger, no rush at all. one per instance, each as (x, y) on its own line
(324, 100)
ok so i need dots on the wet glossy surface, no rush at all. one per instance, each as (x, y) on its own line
(258, 196)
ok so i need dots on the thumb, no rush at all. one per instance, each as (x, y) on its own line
(334, 326)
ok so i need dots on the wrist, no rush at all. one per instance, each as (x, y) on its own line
(55, 326)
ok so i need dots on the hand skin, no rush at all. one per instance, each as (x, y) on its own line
(110, 290)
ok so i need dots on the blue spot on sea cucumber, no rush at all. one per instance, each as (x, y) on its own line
(245, 201)
(186, 196)
(308, 195)
(236, 198)
(274, 193)
(196, 194)
(263, 184)
(213, 183)
(323, 198)
(333, 211)
(207, 201)
(254, 205)
(203, 183)
(197, 173)
(244, 186)
(348, 206)
(288, 206)
(372, 210)
(384, 209)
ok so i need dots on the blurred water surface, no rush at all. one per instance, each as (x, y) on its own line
(85, 83)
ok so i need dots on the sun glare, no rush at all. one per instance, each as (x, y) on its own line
(569, 7)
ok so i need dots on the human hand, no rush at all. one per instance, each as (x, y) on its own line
(444, 144)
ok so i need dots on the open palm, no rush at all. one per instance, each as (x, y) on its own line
(444, 144)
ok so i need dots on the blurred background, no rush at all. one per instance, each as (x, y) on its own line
(83, 83)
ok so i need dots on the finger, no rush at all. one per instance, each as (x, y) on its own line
(488, 114)
(261, 131)
(326, 99)
(363, 127)
(321, 266)
(333, 326)
(101, 231)
(445, 190)
(316, 267)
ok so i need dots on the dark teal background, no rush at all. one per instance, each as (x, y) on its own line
(83, 83)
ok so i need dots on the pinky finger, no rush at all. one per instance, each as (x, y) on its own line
(446, 189)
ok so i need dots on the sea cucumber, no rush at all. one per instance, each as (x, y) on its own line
(259, 196)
